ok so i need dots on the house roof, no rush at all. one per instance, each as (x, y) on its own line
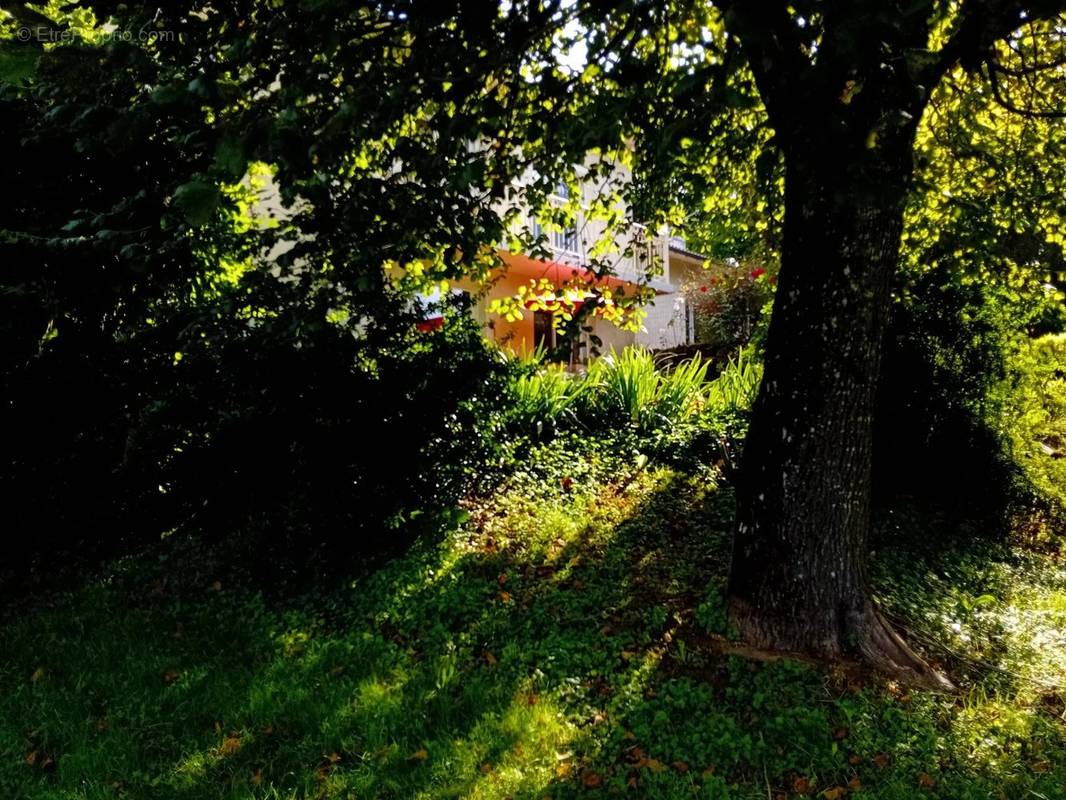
(687, 253)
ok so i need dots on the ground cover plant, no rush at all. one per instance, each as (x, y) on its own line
(563, 640)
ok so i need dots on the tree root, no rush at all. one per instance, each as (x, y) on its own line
(884, 650)
(864, 636)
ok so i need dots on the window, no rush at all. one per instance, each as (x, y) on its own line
(559, 346)
(566, 239)
(543, 330)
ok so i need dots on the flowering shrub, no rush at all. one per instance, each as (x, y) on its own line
(729, 304)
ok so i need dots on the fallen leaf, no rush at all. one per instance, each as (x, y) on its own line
(505, 597)
(651, 763)
(420, 755)
(489, 657)
(855, 784)
(881, 760)
(591, 780)
(31, 757)
(229, 746)
(333, 757)
(257, 777)
(854, 760)
(681, 767)
(502, 579)
(801, 785)
(835, 793)
(926, 780)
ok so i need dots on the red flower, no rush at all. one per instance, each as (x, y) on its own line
(703, 288)
(755, 273)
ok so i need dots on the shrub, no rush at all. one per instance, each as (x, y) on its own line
(949, 393)
(632, 403)
(731, 305)
(623, 386)
(733, 391)
(630, 386)
(312, 447)
(1034, 415)
(544, 398)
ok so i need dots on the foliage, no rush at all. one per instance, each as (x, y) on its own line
(733, 391)
(544, 399)
(625, 396)
(981, 263)
(731, 305)
(628, 386)
(1034, 415)
(186, 344)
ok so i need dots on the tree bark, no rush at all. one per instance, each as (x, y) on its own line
(799, 578)
(844, 106)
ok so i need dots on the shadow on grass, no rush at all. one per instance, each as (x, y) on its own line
(548, 647)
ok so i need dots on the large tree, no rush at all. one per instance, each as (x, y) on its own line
(844, 86)
(367, 112)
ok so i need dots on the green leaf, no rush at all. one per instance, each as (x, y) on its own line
(197, 200)
(230, 157)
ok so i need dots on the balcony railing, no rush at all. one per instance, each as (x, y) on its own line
(635, 257)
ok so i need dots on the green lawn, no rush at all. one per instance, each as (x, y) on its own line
(562, 642)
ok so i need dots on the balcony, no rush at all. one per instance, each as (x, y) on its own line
(635, 255)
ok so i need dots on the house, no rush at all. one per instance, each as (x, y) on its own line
(529, 283)
(638, 257)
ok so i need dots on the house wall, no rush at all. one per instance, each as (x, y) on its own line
(665, 323)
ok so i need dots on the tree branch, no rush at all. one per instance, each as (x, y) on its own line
(983, 23)
(1000, 98)
(769, 36)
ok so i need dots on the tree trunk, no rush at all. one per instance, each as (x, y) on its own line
(799, 579)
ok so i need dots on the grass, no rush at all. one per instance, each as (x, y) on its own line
(559, 643)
